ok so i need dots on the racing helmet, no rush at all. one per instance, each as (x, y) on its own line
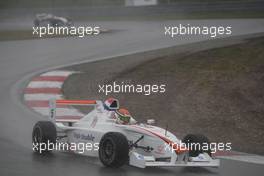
(123, 116)
(111, 104)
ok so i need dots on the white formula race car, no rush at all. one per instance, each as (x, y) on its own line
(44, 19)
(137, 144)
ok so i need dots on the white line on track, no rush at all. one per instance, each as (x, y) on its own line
(58, 73)
(42, 96)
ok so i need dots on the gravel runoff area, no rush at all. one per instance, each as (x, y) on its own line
(217, 92)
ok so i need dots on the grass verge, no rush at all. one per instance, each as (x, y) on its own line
(217, 92)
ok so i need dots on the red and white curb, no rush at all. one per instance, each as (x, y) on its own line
(48, 86)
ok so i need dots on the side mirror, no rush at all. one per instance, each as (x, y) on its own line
(151, 121)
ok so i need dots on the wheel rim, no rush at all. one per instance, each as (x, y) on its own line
(108, 150)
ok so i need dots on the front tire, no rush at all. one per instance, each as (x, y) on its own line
(197, 139)
(113, 150)
(44, 134)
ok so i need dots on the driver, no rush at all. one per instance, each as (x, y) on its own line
(123, 117)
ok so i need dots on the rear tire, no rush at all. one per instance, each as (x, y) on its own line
(113, 150)
(44, 133)
(195, 139)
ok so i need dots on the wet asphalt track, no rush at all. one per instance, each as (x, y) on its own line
(20, 60)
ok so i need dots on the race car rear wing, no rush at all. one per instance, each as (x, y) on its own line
(53, 105)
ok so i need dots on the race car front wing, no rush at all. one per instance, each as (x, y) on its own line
(203, 160)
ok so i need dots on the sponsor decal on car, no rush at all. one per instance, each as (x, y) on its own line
(87, 137)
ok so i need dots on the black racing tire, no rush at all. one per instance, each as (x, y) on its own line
(113, 150)
(197, 139)
(56, 23)
(60, 24)
(44, 133)
(45, 23)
